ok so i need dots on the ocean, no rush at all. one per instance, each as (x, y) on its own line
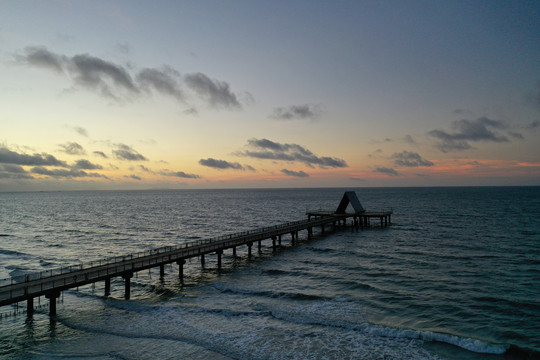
(456, 276)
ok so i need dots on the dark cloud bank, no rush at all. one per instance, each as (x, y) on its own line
(115, 81)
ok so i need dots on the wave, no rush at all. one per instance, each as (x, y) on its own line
(270, 294)
(470, 344)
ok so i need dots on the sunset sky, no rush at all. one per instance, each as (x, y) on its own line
(234, 94)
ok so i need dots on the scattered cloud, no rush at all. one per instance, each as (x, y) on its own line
(270, 150)
(293, 112)
(386, 171)
(125, 152)
(63, 173)
(115, 81)
(357, 179)
(86, 165)
(163, 81)
(134, 177)
(80, 130)
(408, 139)
(100, 153)
(180, 174)
(481, 129)
(294, 173)
(217, 93)
(534, 125)
(221, 164)
(11, 157)
(410, 159)
(72, 148)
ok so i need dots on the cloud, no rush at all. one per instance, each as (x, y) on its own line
(95, 73)
(306, 111)
(10, 157)
(270, 150)
(86, 165)
(357, 179)
(114, 81)
(220, 164)
(534, 125)
(180, 174)
(134, 177)
(124, 152)
(163, 81)
(294, 173)
(387, 171)
(409, 139)
(216, 92)
(41, 57)
(81, 131)
(10, 171)
(410, 159)
(63, 173)
(481, 129)
(72, 148)
(100, 153)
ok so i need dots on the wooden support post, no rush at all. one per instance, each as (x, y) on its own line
(202, 260)
(279, 240)
(107, 286)
(260, 245)
(127, 289)
(390, 219)
(322, 228)
(249, 245)
(234, 251)
(292, 238)
(161, 271)
(219, 253)
(381, 218)
(273, 243)
(52, 296)
(181, 263)
(30, 307)
(310, 233)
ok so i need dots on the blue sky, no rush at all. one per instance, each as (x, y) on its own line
(206, 94)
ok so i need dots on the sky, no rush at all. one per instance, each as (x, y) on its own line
(268, 94)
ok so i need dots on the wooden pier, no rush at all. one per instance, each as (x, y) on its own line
(52, 282)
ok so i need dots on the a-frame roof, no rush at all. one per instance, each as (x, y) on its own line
(350, 198)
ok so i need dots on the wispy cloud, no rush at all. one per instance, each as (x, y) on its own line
(221, 164)
(81, 131)
(410, 159)
(72, 148)
(116, 82)
(295, 173)
(84, 164)
(11, 157)
(125, 152)
(63, 173)
(305, 111)
(180, 174)
(386, 171)
(100, 153)
(481, 129)
(217, 93)
(270, 150)
(164, 81)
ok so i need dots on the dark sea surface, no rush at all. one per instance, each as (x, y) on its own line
(456, 276)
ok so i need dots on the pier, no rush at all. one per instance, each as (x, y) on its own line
(51, 283)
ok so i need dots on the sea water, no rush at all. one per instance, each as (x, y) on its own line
(456, 276)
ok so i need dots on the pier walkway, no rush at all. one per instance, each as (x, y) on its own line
(51, 283)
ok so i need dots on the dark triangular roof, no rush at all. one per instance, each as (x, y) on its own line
(350, 198)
